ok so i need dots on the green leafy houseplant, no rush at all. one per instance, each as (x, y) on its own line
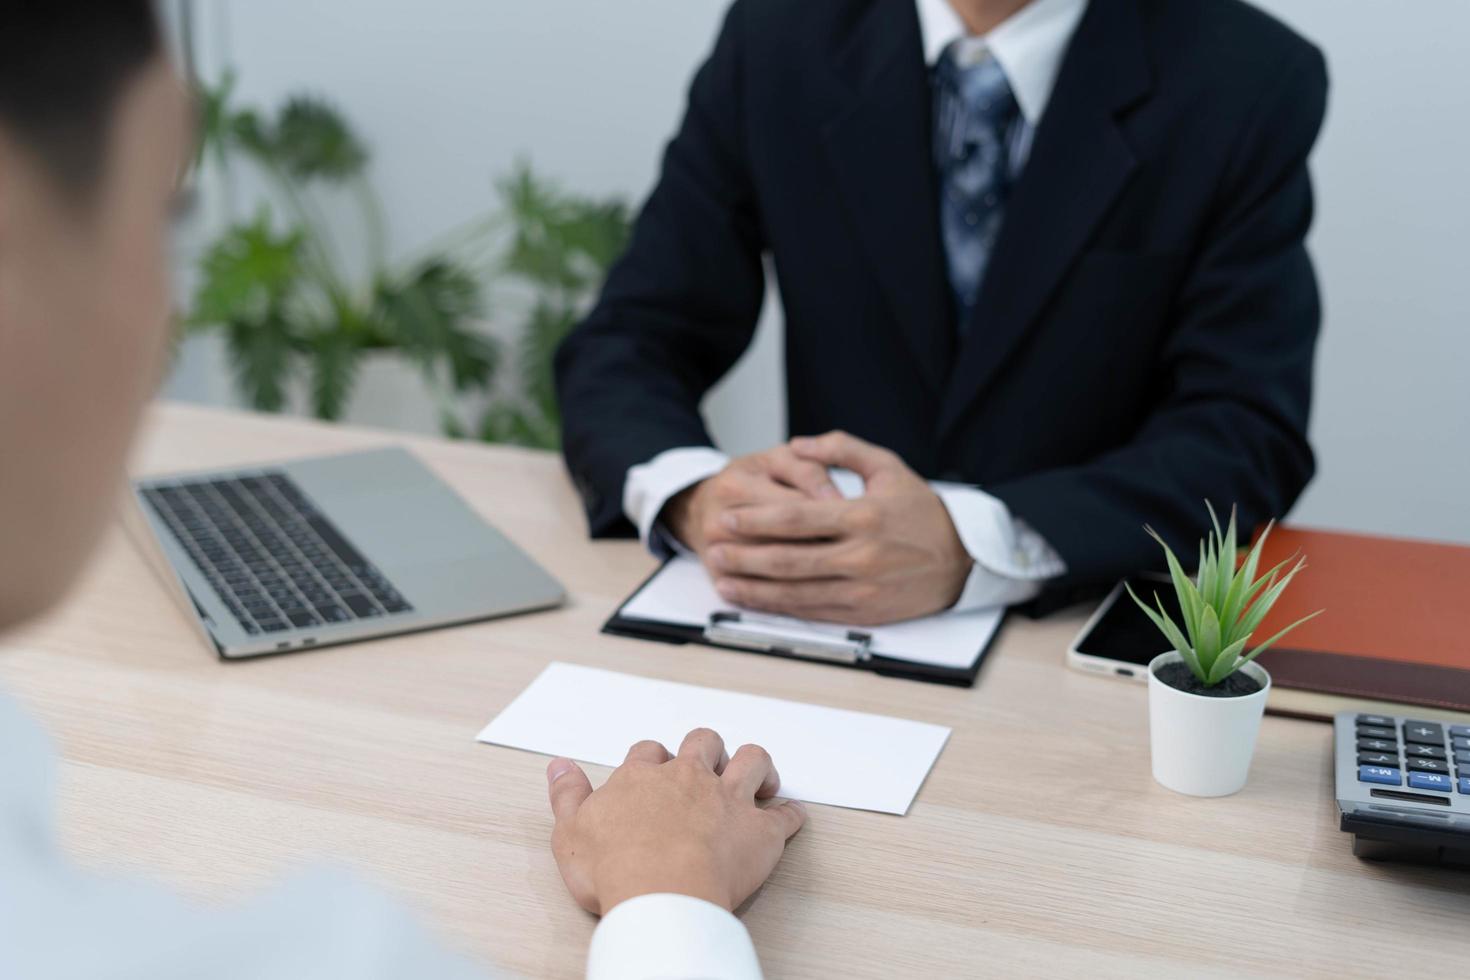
(281, 294)
(558, 251)
(1223, 605)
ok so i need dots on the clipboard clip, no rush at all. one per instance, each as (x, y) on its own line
(751, 632)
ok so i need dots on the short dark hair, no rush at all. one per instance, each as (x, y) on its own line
(63, 64)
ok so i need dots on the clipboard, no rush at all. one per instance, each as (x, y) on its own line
(709, 622)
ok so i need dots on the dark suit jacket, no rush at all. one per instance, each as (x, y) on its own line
(1144, 336)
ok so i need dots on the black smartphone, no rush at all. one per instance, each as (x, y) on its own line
(1119, 640)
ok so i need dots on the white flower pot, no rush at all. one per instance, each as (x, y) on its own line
(1202, 746)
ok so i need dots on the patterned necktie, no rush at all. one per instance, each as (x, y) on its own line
(974, 122)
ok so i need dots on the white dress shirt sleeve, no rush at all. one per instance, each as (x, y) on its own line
(648, 486)
(1011, 559)
(670, 937)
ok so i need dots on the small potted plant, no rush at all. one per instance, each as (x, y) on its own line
(1206, 695)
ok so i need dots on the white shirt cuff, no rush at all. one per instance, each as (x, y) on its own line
(653, 937)
(1011, 559)
(648, 486)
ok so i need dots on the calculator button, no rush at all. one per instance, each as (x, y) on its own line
(1381, 721)
(1460, 744)
(1465, 785)
(1429, 780)
(1423, 751)
(1462, 758)
(1380, 774)
(1424, 731)
(1456, 731)
(1378, 759)
(1377, 745)
(1429, 765)
(1370, 731)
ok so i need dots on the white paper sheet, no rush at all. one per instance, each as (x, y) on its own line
(682, 593)
(824, 755)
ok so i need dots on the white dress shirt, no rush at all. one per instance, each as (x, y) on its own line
(58, 922)
(1011, 559)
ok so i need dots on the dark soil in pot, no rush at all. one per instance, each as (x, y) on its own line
(1181, 678)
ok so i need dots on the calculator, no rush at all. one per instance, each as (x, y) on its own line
(1403, 787)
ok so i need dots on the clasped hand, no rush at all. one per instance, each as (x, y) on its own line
(776, 535)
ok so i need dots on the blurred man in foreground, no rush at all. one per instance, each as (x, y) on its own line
(93, 135)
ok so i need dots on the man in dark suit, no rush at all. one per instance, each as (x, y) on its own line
(1049, 253)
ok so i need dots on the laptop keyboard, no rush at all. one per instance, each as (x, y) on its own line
(271, 555)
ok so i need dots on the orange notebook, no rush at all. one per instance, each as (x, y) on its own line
(1397, 620)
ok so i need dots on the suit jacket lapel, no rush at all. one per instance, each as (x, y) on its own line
(1079, 163)
(879, 149)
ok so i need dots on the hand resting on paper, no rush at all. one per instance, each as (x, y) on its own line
(890, 555)
(692, 824)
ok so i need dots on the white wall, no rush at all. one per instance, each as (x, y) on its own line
(1392, 421)
(450, 92)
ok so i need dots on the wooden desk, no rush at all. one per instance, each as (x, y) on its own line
(1039, 845)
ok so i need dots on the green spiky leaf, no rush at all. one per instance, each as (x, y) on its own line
(1228, 662)
(1262, 648)
(1225, 603)
(1171, 632)
(1258, 609)
(1191, 603)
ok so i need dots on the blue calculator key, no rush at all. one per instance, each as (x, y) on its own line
(1460, 731)
(1380, 774)
(1460, 744)
(1430, 780)
(1465, 785)
(1463, 758)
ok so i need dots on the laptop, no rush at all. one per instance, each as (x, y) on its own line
(329, 550)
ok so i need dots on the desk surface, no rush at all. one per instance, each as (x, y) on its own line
(1039, 844)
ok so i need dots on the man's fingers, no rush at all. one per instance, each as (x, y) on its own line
(841, 449)
(751, 773)
(742, 488)
(790, 520)
(809, 477)
(788, 815)
(648, 751)
(705, 747)
(567, 786)
(783, 561)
